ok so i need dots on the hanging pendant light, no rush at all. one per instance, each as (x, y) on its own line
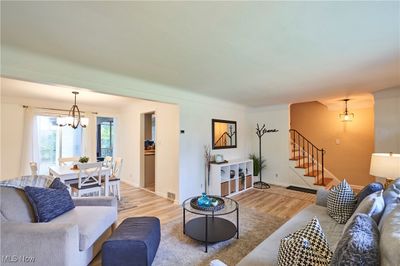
(346, 116)
(74, 118)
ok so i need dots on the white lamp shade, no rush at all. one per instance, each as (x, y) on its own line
(385, 165)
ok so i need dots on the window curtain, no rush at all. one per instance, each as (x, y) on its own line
(89, 138)
(30, 142)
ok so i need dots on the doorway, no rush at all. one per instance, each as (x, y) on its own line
(149, 151)
(105, 137)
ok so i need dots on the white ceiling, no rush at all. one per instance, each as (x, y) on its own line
(12, 88)
(255, 53)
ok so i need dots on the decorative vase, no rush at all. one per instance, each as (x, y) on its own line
(204, 200)
(232, 173)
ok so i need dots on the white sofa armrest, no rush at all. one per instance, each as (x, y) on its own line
(95, 201)
(40, 244)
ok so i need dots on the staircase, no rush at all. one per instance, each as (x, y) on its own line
(309, 157)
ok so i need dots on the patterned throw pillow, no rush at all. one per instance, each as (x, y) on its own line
(307, 246)
(341, 202)
(49, 203)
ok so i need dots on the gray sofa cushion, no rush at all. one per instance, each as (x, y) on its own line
(15, 206)
(89, 229)
(390, 237)
(372, 205)
(359, 244)
(368, 190)
(266, 253)
(392, 193)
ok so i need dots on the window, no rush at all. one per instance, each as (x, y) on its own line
(105, 137)
(56, 142)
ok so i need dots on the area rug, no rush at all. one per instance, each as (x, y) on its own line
(178, 249)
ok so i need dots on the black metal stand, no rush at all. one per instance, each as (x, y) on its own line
(260, 132)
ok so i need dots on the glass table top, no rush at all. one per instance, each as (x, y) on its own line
(230, 206)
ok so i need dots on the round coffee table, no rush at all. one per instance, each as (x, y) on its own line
(211, 227)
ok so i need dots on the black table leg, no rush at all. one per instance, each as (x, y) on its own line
(184, 222)
(206, 233)
(237, 222)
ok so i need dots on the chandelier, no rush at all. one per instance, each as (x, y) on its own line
(346, 116)
(74, 118)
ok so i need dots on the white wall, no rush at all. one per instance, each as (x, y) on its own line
(275, 146)
(130, 146)
(387, 120)
(196, 111)
(12, 117)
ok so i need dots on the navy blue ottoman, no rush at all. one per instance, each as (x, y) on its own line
(134, 242)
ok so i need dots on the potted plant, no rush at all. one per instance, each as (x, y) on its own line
(256, 164)
(84, 159)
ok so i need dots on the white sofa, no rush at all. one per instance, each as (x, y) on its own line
(71, 239)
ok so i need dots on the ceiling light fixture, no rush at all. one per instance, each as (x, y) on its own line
(74, 118)
(346, 116)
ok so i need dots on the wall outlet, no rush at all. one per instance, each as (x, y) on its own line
(171, 195)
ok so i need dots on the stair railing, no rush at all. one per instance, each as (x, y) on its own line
(306, 150)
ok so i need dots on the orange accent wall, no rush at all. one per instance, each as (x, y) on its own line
(351, 158)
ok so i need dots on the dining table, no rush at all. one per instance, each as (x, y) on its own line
(66, 173)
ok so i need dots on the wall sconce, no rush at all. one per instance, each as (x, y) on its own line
(346, 116)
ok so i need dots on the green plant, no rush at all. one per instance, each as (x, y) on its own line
(256, 164)
(84, 159)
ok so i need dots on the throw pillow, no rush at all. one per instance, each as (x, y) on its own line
(359, 244)
(307, 246)
(390, 237)
(49, 203)
(368, 190)
(392, 193)
(57, 184)
(373, 206)
(341, 202)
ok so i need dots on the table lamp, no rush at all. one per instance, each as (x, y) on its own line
(385, 165)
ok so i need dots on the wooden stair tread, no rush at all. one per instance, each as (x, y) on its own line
(304, 165)
(297, 158)
(314, 173)
(327, 180)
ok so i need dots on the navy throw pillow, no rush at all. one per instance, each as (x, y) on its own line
(49, 203)
(359, 244)
(57, 184)
(368, 190)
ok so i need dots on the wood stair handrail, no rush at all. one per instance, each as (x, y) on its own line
(303, 146)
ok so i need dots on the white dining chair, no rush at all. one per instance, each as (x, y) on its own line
(108, 161)
(34, 168)
(89, 179)
(114, 180)
(67, 160)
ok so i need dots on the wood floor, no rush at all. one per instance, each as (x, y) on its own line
(276, 201)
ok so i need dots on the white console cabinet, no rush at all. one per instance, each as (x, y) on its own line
(230, 178)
